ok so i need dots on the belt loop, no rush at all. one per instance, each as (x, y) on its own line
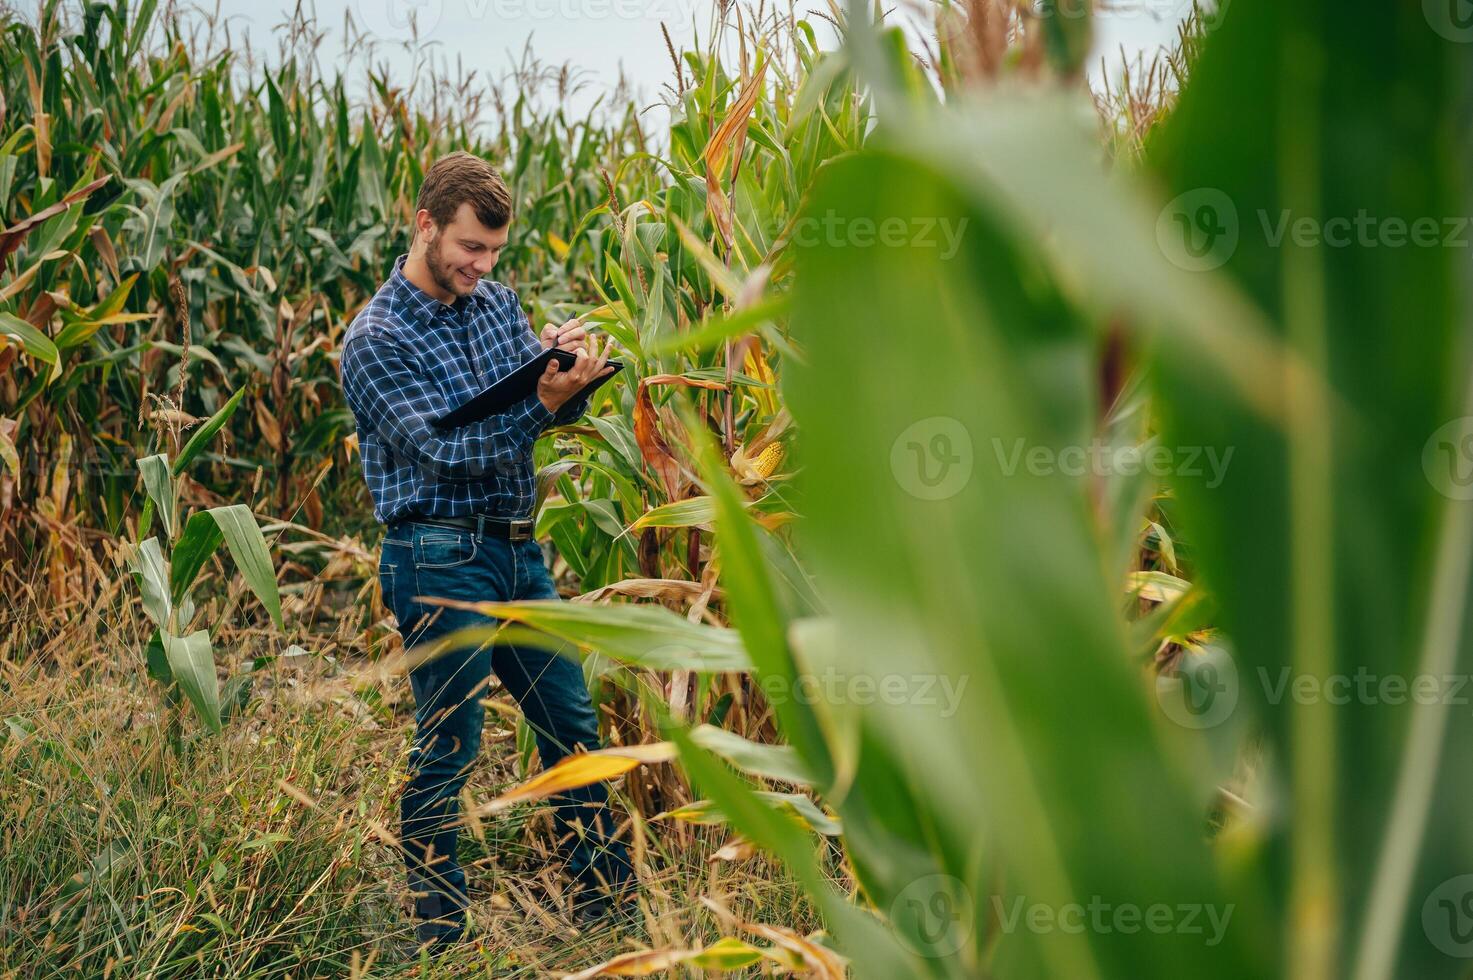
(480, 526)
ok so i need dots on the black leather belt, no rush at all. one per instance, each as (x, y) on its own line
(483, 524)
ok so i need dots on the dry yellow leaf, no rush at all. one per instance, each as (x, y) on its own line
(582, 769)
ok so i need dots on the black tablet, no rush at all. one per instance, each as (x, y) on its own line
(517, 385)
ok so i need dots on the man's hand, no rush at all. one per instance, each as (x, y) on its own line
(569, 336)
(555, 387)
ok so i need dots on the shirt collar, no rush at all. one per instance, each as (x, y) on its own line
(420, 306)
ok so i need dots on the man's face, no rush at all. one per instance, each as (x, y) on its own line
(462, 252)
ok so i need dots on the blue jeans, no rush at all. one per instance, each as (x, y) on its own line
(428, 560)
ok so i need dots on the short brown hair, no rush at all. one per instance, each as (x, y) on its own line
(459, 178)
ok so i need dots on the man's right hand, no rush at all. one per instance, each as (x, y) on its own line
(556, 386)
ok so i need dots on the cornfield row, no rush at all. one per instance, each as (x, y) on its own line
(184, 224)
(836, 456)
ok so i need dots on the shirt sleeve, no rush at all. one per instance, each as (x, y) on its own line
(387, 392)
(572, 409)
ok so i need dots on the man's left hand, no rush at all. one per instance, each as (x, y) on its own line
(570, 336)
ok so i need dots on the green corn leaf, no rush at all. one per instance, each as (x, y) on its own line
(801, 810)
(860, 934)
(156, 660)
(193, 664)
(1375, 789)
(248, 547)
(719, 327)
(1066, 31)
(941, 563)
(756, 609)
(648, 635)
(153, 222)
(725, 955)
(145, 520)
(206, 432)
(36, 343)
(690, 512)
(721, 276)
(618, 434)
(754, 758)
(605, 516)
(199, 541)
(153, 571)
(160, 487)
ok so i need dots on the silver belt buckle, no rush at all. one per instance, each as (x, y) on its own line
(520, 530)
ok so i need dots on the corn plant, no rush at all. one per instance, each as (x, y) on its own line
(276, 199)
(166, 570)
(1306, 837)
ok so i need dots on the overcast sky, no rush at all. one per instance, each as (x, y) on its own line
(599, 36)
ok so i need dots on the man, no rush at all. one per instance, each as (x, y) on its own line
(457, 506)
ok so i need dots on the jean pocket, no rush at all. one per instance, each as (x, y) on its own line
(444, 549)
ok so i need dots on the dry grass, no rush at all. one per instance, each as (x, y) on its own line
(267, 851)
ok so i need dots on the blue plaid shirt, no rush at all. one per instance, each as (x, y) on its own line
(408, 358)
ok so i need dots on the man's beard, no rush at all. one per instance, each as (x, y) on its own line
(445, 277)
